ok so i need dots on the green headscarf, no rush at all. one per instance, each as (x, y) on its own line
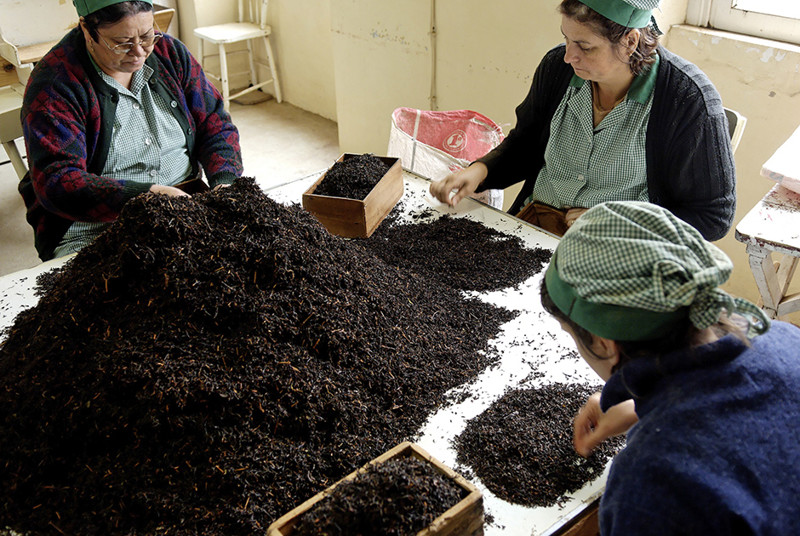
(85, 7)
(630, 271)
(628, 13)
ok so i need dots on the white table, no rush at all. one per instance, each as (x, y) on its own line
(773, 226)
(783, 166)
(518, 357)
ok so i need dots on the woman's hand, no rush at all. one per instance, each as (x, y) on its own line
(591, 426)
(573, 214)
(464, 182)
(167, 190)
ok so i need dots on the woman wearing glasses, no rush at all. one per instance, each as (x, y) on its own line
(116, 109)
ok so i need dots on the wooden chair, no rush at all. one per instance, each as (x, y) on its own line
(163, 18)
(10, 124)
(251, 26)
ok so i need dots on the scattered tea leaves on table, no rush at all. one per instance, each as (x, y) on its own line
(458, 252)
(521, 446)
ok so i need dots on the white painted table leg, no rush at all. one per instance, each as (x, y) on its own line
(766, 278)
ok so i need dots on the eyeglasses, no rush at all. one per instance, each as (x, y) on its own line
(125, 48)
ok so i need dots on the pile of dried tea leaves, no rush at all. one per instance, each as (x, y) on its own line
(353, 177)
(458, 252)
(209, 363)
(521, 446)
(398, 497)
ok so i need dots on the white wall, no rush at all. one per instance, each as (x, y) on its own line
(382, 60)
(488, 51)
(303, 44)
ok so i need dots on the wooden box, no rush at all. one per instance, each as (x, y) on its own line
(465, 518)
(355, 218)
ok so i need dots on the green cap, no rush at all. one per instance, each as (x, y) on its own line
(615, 322)
(633, 271)
(628, 13)
(85, 7)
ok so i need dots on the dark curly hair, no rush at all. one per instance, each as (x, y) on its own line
(113, 14)
(642, 57)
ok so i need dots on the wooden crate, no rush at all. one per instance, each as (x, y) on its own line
(356, 218)
(465, 518)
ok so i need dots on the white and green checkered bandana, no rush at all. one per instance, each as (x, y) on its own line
(630, 271)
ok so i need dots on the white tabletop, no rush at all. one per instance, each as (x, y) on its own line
(519, 357)
(774, 223)
(784, 165)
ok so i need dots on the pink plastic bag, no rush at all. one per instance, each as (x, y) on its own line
(436, 143)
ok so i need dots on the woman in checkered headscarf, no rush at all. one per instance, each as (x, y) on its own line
(611, 115)
(703, 384)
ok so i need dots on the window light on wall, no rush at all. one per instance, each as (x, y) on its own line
(781, 8)
(770, 19)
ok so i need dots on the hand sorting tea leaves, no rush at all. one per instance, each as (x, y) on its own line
(521, 446)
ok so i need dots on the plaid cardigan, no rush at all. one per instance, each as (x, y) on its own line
(68, 116)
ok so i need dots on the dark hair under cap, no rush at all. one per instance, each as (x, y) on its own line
(112, 13)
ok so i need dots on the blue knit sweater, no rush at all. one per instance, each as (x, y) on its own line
(717, 446)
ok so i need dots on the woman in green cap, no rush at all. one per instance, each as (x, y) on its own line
(611, 115)
(704, 385)
(115, 109)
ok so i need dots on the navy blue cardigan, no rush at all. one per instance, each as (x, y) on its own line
(690, 167)
(716, 450)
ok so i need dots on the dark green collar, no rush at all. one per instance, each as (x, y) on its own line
(642, 86)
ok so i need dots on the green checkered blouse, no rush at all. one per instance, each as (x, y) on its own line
(586, 165)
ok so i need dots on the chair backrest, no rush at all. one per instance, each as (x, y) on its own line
(11, 128)
(736, 123)
(254, 11)
(163, 18)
